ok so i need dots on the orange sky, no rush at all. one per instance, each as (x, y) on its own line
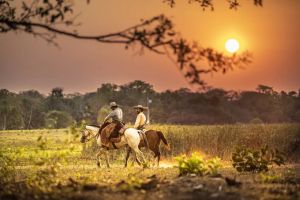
(271, 33)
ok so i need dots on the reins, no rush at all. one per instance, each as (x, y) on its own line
(94, 136)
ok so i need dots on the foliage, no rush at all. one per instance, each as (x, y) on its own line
(31, 110)
(102, 113)
(58, 119)
(196, 164)
(208, 4)
(247, 160)
(7, 169)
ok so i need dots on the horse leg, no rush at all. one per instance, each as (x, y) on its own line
(158, 158)
(127, 156)
(98, 158)
(135, 159)
(107, 159)
(139, 154)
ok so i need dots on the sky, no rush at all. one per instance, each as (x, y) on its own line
(271, 33)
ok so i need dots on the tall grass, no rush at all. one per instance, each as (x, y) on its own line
(220, 140)
(212, 140)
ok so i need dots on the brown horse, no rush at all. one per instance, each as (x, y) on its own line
(153, 140)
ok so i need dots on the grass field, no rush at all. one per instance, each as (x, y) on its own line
(53, 164)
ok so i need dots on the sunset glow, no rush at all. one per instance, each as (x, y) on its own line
(43, 66)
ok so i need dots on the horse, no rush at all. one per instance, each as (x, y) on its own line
(131, 137)
(152, 142)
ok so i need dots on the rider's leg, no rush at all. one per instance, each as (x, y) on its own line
(115, 135)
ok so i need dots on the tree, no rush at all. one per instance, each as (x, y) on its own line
(76, 106)
(264, 89)
(55, 101)
(32, 109)
(10, 111)
(41, 17)
(102, 113)
(106, 93)
(58, 119)
(135, 92)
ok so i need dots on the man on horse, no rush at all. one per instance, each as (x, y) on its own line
(117, 118)
(141, 119)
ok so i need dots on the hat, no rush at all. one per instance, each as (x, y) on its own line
(140, 107)
(113, 104)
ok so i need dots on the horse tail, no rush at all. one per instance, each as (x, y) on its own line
(162, 137)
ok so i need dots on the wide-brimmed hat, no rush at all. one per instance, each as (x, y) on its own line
(113, 104)
(140, 107)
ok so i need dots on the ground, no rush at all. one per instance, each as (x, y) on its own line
(165, 184)
(86, 181)
(53, 165)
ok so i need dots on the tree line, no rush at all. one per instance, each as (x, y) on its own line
(31, 109)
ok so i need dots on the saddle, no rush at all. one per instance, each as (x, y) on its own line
(111, 137)
(144, 140)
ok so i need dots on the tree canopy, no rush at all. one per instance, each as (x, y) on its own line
(30, 109)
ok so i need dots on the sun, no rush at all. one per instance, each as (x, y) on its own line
(232, 45)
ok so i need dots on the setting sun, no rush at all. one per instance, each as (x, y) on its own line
(232, 45)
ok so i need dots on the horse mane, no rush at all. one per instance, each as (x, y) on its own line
(92, 127)
(97, 126)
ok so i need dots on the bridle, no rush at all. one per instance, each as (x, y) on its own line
(86, 139)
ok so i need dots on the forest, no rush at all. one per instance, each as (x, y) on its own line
(34, 110)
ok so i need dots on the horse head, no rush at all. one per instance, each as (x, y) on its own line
(88, 133)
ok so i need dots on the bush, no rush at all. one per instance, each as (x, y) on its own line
(196, 164)
(247, 160)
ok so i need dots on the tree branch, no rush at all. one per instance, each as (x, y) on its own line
(156, 34)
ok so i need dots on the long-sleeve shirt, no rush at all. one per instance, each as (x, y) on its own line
(140, 120)
(115, 115)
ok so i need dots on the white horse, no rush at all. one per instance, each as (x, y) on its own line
(131, 137)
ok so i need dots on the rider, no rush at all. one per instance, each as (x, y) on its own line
(117, 118)
(141, 120)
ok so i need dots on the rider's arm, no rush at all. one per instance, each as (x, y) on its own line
(109, 116)
(137, 121)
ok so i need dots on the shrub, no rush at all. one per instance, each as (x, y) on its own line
(196, 164)
(247, 160)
